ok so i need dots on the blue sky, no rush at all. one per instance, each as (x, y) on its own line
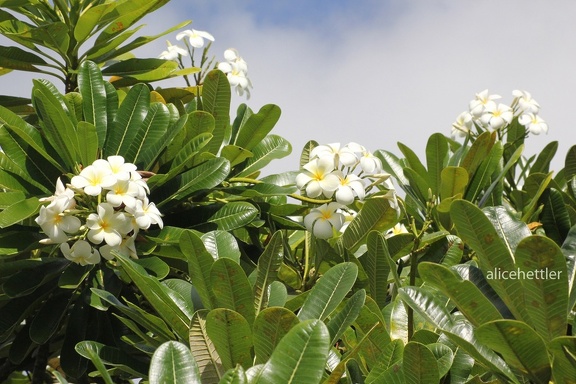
(382, 71)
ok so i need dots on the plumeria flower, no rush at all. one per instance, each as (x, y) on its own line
(525, 102)
(339, 154)
(81, 253)
(120, 169)
(369, 163)
(173, 52)
(55, 224)
(145, 213)
(236, 70)
(534, 123)
(497, 116)
(196, 38)
(318, 178)
(123, 192)
(108, 225)
(481, 102)
(126, 248)
(350, 186)
(232, 56)
(324, 220)
(94, 178)
(463, 124)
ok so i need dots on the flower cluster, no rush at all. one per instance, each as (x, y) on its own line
(102, 209)
(343, 173)
(236, 71)
(485, 113)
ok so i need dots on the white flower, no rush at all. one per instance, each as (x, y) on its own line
(126, 248)
(398, 229)
(196, 38)
(324, 220)
(236, 70)
(123, 192)
(55, 223)
(343, 155)
(525, 102)
(81, 253)
(482, 100)
(349, 186)
(318, 178)
(370, 163)
(173, 52)
(534, 123)
(463, 124)
(232, 56)
(94, 178)
(108, 225)
(145, 214)
(497, 116)
(120, 169)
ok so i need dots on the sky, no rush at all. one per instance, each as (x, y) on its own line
(378, 72)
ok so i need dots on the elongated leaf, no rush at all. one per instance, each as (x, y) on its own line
(231, 288)
(216, 95)
(555, 218)
(300, 356)
(91, 350)
(270, 148)
(87, 142)
(203, 350)
(199, 265)
(493, 254)
(152, 130)
(93, 90)
(378, 213)
(419, 365)
(392, 354)
(465, 295)
(173, 363)
(129, 119)
(19, 59)
(346, 316)
(150, 153)
(418, 183)
(542, 163)
(234, 215)
(542, 272)
(377, 267)
(159, 297)
(479, 151)
(269, 328)
(520, 345)
(19, 211)
(569, 251)
(236, 375)
(436, 159)
(221, 244)
(563, 350)
(268, 265)
(48, 319)
(231, 335)
(329, 291)
(453, 181)
(413, 162)
(257, 126)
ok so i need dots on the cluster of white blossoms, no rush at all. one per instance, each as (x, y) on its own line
(236, 71)
(485, 113)
(100, 210)
(195, 39)
(343, 173)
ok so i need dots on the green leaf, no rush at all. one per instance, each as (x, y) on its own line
(216, 95)
(152, 130)
(378, 213)
(234, 215)
(150, 153)
(48, 319)
(173, 363)
(546, 155)
(569, 251)
(479, 151)
(269, 327)
(53, 36)
(235, 154)
(19, 59)
(392, 354)
(494, 255)
(203, 350)
(463, 293)
(221, 244)
(159, 296)
(232, 288)
(419, 365)
(257, 127)
(413, 162)
(545, 285)
(234, 376)
(91, 350)
(436, 159)
(555, 218)
(199, 265)
(19, 211)
(93, 91)
(129, 119)
(520, 346)
(563, 350)
(87, 142)
(270, 148)
(231, 335)
(266, 272)
(453, 182)
(300, 356)
(329, 291)
(377, 267)
(570, 163)
(346, 316)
